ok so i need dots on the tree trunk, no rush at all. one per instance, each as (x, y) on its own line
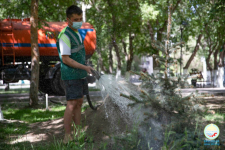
(215, 54)
(151, 32)
(221, 57)
(210, 53)
(162, 29)
(124, 48)
(110, 59)
(167, 41)
(215, 59)
(164, 26)
(220, 77)
(100, 64)
(208, 60)
(131, 52)
(110, 3)
(34, 54)
(220, 70)
(194, 53)
(117, 54)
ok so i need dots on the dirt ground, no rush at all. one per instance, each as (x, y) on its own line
(96, 125)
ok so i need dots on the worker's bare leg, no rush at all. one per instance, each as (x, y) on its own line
(72, 106)
(77, 115)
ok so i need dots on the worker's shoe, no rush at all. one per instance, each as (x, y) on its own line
(67, 139)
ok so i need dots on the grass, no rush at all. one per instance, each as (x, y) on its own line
(28, 116)
(12, 129)
(57, 144)
(93, 89)
(217, 117)
(25, 116)
(34, 115)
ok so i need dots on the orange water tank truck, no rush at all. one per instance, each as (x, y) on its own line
(15, 52)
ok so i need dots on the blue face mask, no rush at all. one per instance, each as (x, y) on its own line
(77, 25)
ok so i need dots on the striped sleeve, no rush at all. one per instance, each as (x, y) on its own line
(65, 45)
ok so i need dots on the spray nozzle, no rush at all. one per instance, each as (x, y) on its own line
(96, 74)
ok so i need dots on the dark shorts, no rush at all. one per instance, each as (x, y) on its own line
(75, 89)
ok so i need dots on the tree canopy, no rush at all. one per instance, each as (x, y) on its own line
(127, 28)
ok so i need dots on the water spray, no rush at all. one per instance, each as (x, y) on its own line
(96, 74)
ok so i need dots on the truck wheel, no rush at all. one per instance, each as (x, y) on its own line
(44, 85)
(57, 84)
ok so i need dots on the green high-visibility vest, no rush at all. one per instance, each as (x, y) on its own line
(77, 54)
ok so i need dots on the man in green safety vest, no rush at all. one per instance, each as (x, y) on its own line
(73, 69)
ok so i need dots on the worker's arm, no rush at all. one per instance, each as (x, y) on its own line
(72, 63)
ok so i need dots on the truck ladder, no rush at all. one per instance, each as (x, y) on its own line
(7, 49)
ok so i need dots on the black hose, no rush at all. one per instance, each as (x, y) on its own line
(97, 75)
(88, 99)
(90, 103)
(55, 102)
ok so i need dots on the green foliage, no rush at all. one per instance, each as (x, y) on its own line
(130, 139)
(112, 23)
(187, 140)
(149, 12)
(161, 92)
(145, 20)
(48, 10)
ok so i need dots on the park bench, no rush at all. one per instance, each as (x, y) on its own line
(198, 79)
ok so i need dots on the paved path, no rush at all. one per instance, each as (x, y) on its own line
(97, 94)
(25, 97)
(215, 91)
